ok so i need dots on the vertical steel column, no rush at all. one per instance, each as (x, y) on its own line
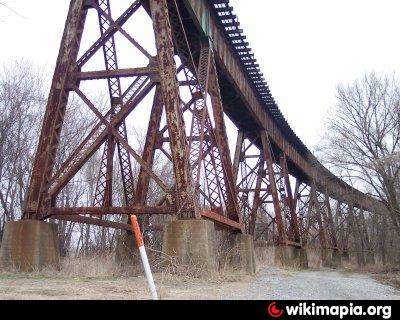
(170, 89)
(341, 224)
(257, 199)
(282, 237)
(306, 222)
(330, 222)
(296, 193)
(294, 224)
(222, 142)
(357, 236)
(150, 147)
(321, 231)
(238, 154)
(55, 110)
(365, 231)
(104, 187)
(300, 219)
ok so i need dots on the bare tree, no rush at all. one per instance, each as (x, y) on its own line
(21, 99)
(362, 133)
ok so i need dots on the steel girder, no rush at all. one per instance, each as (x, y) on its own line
(203, 178)
(255, 195)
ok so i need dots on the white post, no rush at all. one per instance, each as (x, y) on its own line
(149, 275)
(143, 256)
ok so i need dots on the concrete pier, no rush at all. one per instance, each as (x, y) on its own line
(126, 251)
(243, 254)
(331, 258)
(30, 245)
(198, 242)
(370, 258)
(290, 256)
(191, 242)
(345, 257)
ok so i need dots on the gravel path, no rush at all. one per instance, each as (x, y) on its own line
(274, 283)
(269, 284)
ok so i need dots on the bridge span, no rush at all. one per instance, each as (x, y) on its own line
(273, 191)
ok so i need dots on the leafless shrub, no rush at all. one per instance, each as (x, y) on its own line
(21, 102)
(362, 133)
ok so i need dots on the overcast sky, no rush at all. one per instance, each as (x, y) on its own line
(305, 48)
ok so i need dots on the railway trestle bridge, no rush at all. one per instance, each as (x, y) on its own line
(270, 189)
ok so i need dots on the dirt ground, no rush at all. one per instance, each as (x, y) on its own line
(269, 283)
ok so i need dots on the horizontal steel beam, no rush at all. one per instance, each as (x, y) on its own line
(220, 219)
(138, 210)
(107, 74)
(240, 80)
(94, 221)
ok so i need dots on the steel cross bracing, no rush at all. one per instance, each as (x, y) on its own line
(274, 189)
(203, 181)
(265, 192)
(103, 193)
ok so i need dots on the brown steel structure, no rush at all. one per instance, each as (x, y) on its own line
(273, 188)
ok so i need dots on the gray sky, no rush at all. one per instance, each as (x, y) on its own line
(305, 48)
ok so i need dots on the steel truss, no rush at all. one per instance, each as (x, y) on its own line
(254, 194)
(203, 178)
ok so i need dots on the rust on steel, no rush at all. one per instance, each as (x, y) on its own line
(222, 141)
(223, 78)
(330, 222)
(294, 224)
(318, 214)
(255, 98)
(104, 186)
(219, 219)
(55, 109)
(282, 235)
(170, 90)
(93, 221)
(113, 210)
(150, 147)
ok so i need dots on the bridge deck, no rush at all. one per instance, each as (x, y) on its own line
(249, 103)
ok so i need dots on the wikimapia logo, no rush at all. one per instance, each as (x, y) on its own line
(339, 311)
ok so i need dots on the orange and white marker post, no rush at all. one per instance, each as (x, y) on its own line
(143, 255)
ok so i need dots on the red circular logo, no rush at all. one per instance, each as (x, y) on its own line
(274, 311)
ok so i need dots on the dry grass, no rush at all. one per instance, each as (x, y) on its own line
(100, 277)
(104, 266)
(392, 279)
(265, 256)
(385, 274)
(96, 266)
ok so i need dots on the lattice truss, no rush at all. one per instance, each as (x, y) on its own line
(352, 230)
(253, 187)
(343, 225)
(178, 93)
(265, 194)
(323, 221)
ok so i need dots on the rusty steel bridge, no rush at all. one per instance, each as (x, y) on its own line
(273, 188)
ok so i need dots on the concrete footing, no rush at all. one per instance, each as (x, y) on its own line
(30, 245)
(345, 257)
(243, 254)
(126, 251)
(290, 256)
(370, 258)
(331, 258)
(195, 242)
(191, 242)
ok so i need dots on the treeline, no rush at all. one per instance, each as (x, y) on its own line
(361, 145)
(23, 98)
